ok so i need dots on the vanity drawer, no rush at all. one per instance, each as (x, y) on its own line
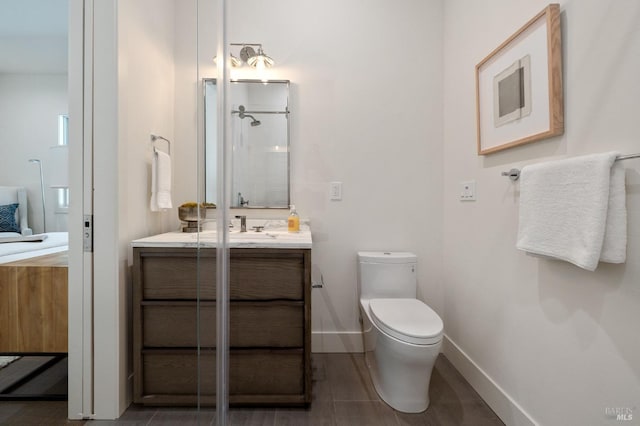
(252, 324)
(256, 276)
(267, 275)
(174, 275)
(251, 372)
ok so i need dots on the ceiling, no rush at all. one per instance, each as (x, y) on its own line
(33, 36)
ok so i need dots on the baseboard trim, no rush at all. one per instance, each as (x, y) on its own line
(509, 411)
(336, 341)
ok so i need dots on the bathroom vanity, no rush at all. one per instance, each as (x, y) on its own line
(270, 316)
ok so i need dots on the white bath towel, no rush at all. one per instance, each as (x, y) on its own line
(614, 247)
(160, 181)
(574, 210)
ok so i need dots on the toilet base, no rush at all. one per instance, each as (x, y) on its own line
(400, 371)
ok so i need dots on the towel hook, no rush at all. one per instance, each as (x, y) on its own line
(156, 137)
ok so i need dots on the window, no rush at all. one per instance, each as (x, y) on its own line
(62, 202)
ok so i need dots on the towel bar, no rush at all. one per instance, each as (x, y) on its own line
(514, 174)
(156, 137)
(627, 157)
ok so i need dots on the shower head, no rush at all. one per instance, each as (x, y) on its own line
(254, 122)
(242, 115)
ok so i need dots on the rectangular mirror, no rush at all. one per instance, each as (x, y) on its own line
(260, 137)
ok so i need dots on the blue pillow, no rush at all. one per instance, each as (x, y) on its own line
(8, 218)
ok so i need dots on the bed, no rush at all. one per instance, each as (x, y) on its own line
(33, 281)
(51, 242)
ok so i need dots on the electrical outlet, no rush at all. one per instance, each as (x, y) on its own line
(335, 191)
(468, 190)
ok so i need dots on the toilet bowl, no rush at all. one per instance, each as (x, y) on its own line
(402, 335)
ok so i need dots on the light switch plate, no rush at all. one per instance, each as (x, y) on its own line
(335, 191)
(468, 190)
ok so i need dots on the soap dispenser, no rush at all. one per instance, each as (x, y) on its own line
(294, 220)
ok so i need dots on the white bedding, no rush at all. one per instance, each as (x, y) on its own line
(54, 243)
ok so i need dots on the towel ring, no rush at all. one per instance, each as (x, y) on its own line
(156, 137)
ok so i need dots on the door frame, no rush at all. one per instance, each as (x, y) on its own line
(80, 303)
(97, 339)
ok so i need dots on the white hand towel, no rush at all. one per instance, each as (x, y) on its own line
(567, 207)
(160, 181)
(614, 247)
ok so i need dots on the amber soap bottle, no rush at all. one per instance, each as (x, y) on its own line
(294, 220)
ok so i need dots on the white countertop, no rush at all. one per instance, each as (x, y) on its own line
(268, 238)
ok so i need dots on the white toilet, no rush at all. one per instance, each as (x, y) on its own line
(402, 335)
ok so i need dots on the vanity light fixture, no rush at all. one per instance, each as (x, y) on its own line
(249, 56)
(235, 62)
(260, 60)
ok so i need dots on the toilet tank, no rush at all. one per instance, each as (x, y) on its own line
(386, 275)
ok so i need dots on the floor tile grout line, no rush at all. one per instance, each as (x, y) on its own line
(151, 418)
(358, 400)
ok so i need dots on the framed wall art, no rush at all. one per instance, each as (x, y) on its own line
(519, 86)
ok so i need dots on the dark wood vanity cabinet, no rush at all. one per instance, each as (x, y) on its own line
(269, 326)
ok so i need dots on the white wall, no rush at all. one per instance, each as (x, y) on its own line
(145, 106)
(187, 90)
(134, 97)
(33, 36)
(366, 110)
(561, 342)
(29, 108)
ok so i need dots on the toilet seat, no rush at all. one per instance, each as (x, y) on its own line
(408, 320)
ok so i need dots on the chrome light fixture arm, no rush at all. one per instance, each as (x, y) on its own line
(249, 55)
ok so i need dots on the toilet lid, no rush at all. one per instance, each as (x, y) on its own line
(408, 320)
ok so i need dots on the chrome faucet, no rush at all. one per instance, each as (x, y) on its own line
(243, 223)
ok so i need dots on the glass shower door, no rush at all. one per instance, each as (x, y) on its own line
(212, 246)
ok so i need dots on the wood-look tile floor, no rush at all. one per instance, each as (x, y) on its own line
(343, 395)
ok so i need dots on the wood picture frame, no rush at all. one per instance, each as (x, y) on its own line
(519, 96)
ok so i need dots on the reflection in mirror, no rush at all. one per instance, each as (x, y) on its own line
(260, 138)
